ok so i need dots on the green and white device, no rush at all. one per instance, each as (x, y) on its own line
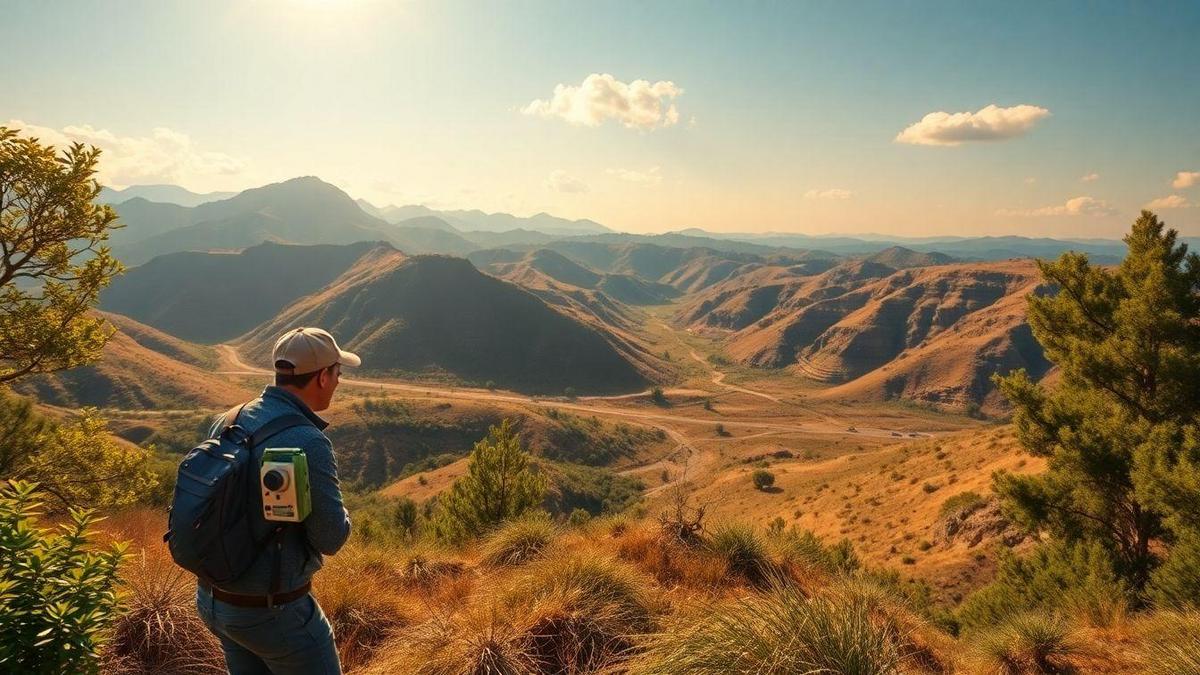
(284, 482)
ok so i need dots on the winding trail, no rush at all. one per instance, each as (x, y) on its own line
(697, 461)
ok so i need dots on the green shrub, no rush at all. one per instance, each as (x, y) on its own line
(961, 504)
(519, 541)
(579, 517)
(57, 590)
(1029, 642)
(780, 631)
(763, 479)
(657, 395)
(1074, 578)
(742, 550)
(802, 547)
(1176, 583)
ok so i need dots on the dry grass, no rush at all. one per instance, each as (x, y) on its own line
(1027, 643)
(160, 631)
(519, 542)
(1170, 643)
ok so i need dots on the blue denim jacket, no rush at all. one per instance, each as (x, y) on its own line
(328, 525)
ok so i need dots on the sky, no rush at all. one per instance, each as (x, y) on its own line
(906, 118)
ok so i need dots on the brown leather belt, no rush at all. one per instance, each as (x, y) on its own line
(239, 600)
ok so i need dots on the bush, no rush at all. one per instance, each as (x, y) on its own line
(519, 541)
(778, 632)
(1074, 578)
(57, 590)
(657, 395)
(1030, 642)
(579, 517)
(742, 550)
(803, 548)
(961, 504)
(1176, 583)
(763, 479)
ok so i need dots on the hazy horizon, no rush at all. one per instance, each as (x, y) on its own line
(876, 119)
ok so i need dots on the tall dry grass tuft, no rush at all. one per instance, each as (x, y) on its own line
(566, 613)
(160, 631)
(472, 641)
(1170, 643)
(1026, 643)
(519, 541)
(775, 632)
(590, 583)
(743, 551)
(358, 592)
(920, 644)
(670, 563)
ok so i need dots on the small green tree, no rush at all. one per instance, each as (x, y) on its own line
(763, 479)
(77, 462)
(56, 590)
(404, 517)
(1120, 470)
(53, 261)
(500, 484)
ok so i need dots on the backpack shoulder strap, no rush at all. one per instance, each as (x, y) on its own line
(275, 426)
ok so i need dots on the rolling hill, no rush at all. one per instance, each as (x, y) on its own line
(140, 368)
(933, 334)
(438, 316)
(212, 297)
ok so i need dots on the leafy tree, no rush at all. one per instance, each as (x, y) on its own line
(1121, 469)
(76, 462)
(404, 516)
(53, 261)
(763, 479)
(56, 589)
(499, 485)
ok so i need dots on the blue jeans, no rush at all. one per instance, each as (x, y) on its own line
(294, 638)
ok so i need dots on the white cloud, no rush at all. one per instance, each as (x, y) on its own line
(651, 176)
(1170, 202)
(1090, 177)
(988, 124)
(165, 156)
(1077, 206)
(637, 105)
(1186, 179)
(562, 181)
(832, 193)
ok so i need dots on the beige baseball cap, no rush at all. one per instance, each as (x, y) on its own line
(307, 350)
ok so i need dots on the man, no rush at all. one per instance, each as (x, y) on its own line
(287, 633)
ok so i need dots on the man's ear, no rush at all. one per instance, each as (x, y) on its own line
(325, 378)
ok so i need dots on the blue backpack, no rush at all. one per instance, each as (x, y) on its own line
(211, 524)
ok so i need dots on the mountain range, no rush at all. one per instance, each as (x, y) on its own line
(930, 320)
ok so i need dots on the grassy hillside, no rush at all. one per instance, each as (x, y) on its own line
(140, 368)
(435, 315)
